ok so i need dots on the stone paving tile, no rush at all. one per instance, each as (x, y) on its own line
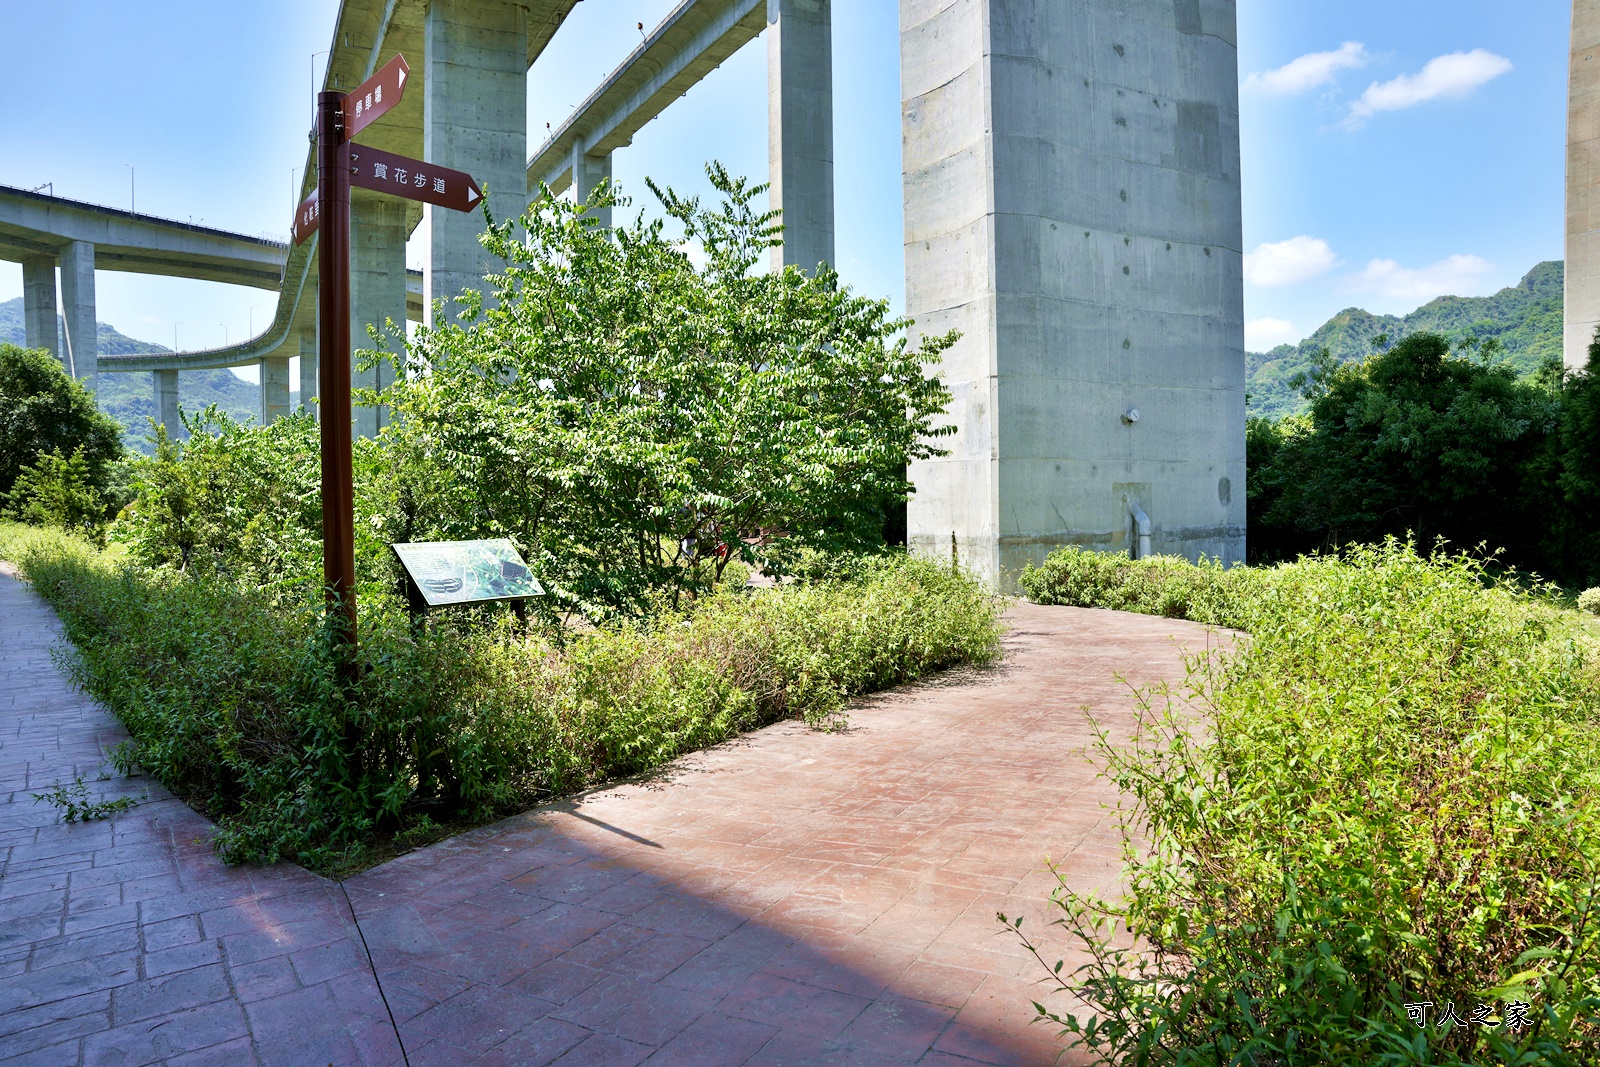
(791, 897)
(125, 940)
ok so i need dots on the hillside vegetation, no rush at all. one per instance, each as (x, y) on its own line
(1525, 319)
(130, 398)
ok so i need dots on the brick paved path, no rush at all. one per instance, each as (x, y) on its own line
(788, 898)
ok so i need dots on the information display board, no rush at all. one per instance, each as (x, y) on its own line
(467, 572)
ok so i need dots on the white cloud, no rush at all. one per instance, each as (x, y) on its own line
(1263, 335)
(1308, 71)
(1298, 259)
(1448, 77)
(1459, 275)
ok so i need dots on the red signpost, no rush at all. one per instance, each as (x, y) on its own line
(341, 164)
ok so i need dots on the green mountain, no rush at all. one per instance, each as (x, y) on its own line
(130, 397)
(1525, 319)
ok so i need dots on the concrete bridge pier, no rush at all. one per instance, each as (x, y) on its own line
(800, 128)
(1582, 304)
(77, 296)
(165, 383)
(377, 294)
(39, 324)
(274, 389)
(588, 171)
(1073, 206)
(308, 370)
(475, 118)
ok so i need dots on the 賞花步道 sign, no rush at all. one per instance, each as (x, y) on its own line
(385, 172)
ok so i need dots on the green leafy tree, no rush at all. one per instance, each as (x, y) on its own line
(1414, 439)
(57, 491)
(634, 421)
(44, 410)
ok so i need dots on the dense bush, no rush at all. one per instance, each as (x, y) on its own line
(234, 703)
(1156, 585)
(43, 412)
(1387, 795)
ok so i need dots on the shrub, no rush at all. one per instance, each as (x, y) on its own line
(1389, 795)
(56, 491)
(1157, 585)
(233, 702)
(1589, 600)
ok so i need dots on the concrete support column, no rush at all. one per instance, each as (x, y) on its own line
(77, 296)
(588, 171)
(308, 370)
(1072, 206)
(274, 389)
(1582, 304)
(800, 128)
(166, 387)
(39, 325)
(377, 293)
(475, 118)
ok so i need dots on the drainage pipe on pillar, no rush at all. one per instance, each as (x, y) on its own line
(1140, 549)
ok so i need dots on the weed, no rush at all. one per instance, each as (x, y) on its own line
(75, 806)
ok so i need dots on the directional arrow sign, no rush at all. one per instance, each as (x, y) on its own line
(413, 179)
(375, 96)
(307, 218)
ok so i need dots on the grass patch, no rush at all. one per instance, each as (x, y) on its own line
(1386, 797)
(233, 703)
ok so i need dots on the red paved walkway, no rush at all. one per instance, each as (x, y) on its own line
(789, 898)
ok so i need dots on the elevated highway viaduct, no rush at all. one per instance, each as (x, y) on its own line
(1072, 207)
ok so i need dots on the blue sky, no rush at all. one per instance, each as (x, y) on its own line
(1392, 152)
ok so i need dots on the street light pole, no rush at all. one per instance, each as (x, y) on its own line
(133, 204)
(224, 333)
(175, 336)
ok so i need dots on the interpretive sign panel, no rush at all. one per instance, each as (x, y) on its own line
(467, 572)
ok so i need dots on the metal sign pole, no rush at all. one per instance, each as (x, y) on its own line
(333, 324)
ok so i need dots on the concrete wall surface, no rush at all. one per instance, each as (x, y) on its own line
(1073, 208)
(475, 118)
(1582, 304)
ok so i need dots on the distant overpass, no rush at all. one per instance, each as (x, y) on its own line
(42, 232)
